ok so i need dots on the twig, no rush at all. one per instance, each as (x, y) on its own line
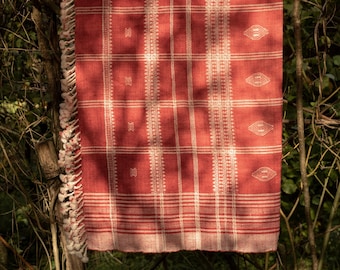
(53, 225)
(7, 245)
(335, 206)
(301, 133)
(266, 261)
(43, 245)
(291, 238)
(159, 261)
(322, 197)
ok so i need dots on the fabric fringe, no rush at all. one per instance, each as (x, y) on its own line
(70, 193)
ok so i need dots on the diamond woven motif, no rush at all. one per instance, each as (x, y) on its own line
(171, 125)
(260, 128)
(264, 174)
(258, 79)
(256, 32)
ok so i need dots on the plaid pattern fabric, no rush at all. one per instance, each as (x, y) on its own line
(177, 107)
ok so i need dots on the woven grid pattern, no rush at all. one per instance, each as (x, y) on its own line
(179, 110)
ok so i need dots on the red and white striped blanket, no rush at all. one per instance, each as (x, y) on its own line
(171, 124)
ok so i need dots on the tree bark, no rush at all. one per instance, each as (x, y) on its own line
(301, 127)
(49, 47)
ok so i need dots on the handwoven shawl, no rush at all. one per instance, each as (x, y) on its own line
(171, 125)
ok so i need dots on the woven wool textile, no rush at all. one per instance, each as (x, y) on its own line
(171, 124)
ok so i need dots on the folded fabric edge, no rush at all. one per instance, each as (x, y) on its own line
(70, 193)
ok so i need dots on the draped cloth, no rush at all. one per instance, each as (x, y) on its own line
(171, 125)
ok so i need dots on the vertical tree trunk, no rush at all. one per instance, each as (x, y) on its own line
(301, 127)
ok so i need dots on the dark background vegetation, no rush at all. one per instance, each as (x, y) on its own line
(28, 99)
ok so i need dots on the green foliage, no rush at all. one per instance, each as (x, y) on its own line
(183, 260)
(321, 42)
(25, 118)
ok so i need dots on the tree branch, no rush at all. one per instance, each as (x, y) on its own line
(301, 134)
(48, 46)
(22, 259)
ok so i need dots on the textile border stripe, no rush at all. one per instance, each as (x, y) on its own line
(70, 194)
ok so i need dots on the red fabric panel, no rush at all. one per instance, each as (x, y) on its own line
(179, 108)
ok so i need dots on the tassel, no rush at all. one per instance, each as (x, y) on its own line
(70, 193)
